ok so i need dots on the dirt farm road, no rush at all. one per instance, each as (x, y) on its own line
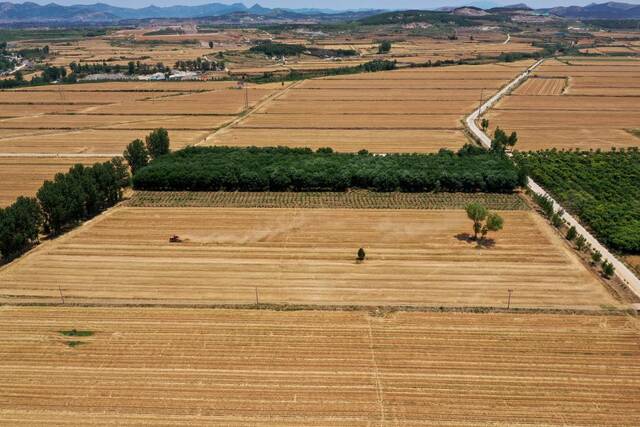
(621, 270)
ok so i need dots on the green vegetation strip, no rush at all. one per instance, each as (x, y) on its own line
(335, 200)
(300, 169)
(601, 188)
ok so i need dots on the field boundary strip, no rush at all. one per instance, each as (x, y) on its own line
(377, 310)
(623, 272)
(345, 200)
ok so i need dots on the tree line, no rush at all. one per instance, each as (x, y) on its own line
(367, 67)
(471, 169)
(71, 197)
(270, 48)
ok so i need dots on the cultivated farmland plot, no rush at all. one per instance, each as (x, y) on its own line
(24, 176)
(303, 256)
(312, 368)
(416, 110)
(597, 109)
(101, 119)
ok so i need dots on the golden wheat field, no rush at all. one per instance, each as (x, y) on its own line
(21, 176)
(414, 110)
(305, 256)
(316, 368)
(594, 111)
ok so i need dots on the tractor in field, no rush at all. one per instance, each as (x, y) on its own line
(175, 239)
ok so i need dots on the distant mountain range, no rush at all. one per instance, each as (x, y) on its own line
(611, 10)
(101, 12)
(104, 13)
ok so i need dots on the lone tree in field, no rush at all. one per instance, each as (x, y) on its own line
(136, 155)
(157, 143)
(485, 124)
(384, 47)
(361, 255)
(483, 221)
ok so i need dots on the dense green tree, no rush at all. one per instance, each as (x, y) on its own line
(485, 124)
(19, 226)
(384, 47)
(572, 233)
(476, 213)
(494, 222)
(157, 143)
(136, 155)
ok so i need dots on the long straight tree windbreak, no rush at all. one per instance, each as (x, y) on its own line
(301, 169)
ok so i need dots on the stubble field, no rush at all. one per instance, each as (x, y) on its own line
(304, 256)
(598, 107)
(23, 176)
(41, 127)
(409, 110)
(312, 368)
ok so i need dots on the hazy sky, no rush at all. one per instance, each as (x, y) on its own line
(338, 4)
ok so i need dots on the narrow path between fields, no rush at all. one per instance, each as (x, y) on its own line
(621, 270)
(261, 103)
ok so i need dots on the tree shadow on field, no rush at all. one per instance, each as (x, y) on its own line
(480, 244)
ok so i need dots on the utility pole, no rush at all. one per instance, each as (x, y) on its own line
(481, 99)
(509, 299)
(246, 98)
(257, 301)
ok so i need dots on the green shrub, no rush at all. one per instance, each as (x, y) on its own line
(596, 257)
(572, 233)
(608, 269)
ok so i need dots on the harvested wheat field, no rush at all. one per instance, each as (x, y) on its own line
(414, 110)
(594, 111)
(316, 368)
(102, 118)
(23, 176)
(104, 142)
(542, 86)
(303, 256)
(378, 140)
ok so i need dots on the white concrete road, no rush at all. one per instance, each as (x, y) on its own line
(622, 271)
